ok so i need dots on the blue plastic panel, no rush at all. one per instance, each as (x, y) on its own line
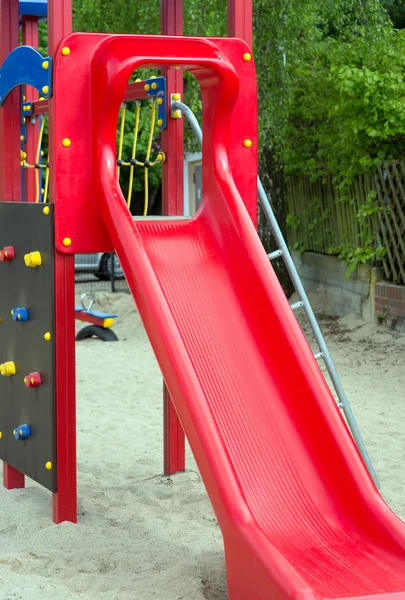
(159, 91)
(24, 65)
(34, 8)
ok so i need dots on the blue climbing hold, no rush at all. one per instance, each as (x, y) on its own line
(20, 315)
(23, 432)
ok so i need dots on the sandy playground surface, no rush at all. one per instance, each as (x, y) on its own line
(142, 536)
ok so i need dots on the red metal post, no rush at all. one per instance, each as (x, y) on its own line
(173, 204)
(31, 176)
(240, 20)
(64, 501)
(10, 170)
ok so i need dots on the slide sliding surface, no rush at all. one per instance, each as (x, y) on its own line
(298, 510)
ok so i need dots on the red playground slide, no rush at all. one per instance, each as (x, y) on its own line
(299, 513)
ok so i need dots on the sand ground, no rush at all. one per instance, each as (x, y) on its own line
(142, 536)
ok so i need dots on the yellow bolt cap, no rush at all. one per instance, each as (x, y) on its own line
(160, 101)
(159, 122)
(247, 143)
(47, 336)
(147, 87)
(25, 380)
(65, 51)
(154, 86)
(48, 466)
(247, 57)
(67, 241)
(46, 209)
(66, 142)
(138, 80)
(1, 435)
(45, 89)
(152, 77)
(176, 114)
(21, 138)
(176, 97)
(45, 65)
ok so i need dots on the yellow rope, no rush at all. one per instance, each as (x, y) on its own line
(37, 157)
(131, 172)
(46, 188)
(121, 140)
(152, 129)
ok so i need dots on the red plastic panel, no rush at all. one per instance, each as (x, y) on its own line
(77, 213)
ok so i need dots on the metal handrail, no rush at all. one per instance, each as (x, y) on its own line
(284, 252)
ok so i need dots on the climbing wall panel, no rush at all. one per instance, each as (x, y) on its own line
(27, 357)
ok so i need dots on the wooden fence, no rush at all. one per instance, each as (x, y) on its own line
(367, 215)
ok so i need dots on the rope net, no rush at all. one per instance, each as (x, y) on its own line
(126, 165)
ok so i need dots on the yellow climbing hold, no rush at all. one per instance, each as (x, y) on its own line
(33, 259)
(8, 368)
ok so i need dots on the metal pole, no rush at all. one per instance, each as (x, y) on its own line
(64, 501)
(304, 302)
(10, 170)
(289, 263)
(171, 12)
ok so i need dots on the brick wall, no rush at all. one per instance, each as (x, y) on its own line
(390, 299)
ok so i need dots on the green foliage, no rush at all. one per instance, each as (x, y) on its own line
(348, 112)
